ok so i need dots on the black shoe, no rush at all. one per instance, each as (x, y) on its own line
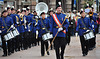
(9, 53)
(90, 49)
(42, 54)
(4, 55)
(12, 52)
(48, 53)
(16, 50)
(84, 54)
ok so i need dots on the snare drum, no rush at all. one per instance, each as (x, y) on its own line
(9, 36)
(15, 32)
(88, 35)
(47, 36)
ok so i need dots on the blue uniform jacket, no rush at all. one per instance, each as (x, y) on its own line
(61, 18)
(40, 26)
(8, 22)
(80, 25)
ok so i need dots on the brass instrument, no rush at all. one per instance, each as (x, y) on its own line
(21, 17)
(25, 22)
(17, 19)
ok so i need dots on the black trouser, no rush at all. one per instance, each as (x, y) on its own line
(25, 40)
(30, 39)
(51, 44)
(84, 45)
(34, 40)
(4, 46)
(60, 43)
(21, 38)
(44, 44)
(17, 43)
(60, 55)
(92, 42)
(68, 35)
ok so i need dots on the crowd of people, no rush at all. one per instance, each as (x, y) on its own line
(31, 28)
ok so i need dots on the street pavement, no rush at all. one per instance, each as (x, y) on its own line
(73, 51)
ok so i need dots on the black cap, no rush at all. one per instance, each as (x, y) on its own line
(8, 8)
(34, 11)
(58, 5)
(42, 13)
(81, 12)
(28, 8)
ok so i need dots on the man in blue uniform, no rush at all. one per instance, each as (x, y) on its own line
(5, 23)
(56, 22)
(29, 12)
(51, 12)
(80, 29)
(12, 16)
(92, 42)
(35, 40)
(30, 24)
(43, 30)
(25, 24)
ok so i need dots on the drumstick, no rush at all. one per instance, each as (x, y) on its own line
(8, 29)
(55, 37)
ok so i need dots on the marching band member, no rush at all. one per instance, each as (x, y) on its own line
(35, 40)
(93, 19)
(15, 41)
(10, 14)
(80, 29)
(51, 12)
(25, 28)
(42, 29)
(31, 23)
(5, 23)
(29, 13)
(60, 41)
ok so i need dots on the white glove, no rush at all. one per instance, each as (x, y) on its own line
(36, 24)
(29, 24)
(17, 22)
(12, 26)
(36, 17)
(87, 30)
(0, 31)
(25, 21)
(60, 29)
(37, 34)
(76, 34)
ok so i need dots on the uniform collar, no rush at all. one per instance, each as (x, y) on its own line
(58, 13)
(83, 18)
